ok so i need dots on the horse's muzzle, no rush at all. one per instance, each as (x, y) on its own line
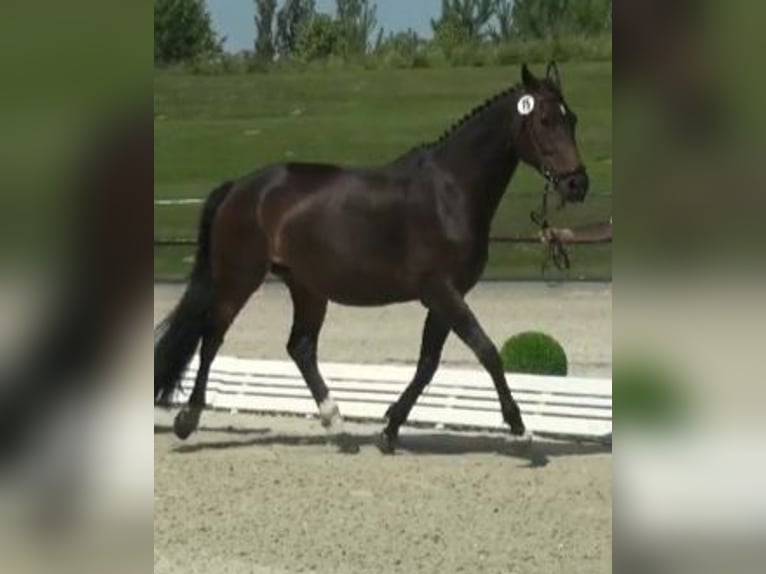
(574, 186)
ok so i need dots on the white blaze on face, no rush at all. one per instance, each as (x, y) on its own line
(526, 104)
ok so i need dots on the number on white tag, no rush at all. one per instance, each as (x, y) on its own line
(526, 105)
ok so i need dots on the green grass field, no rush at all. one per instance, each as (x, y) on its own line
(211, 128)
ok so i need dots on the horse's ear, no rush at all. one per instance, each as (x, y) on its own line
(553, 74)
(528, 78)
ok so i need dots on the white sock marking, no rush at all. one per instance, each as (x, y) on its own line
(330, 415)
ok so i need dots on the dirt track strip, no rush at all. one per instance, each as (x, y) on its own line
(263, 494)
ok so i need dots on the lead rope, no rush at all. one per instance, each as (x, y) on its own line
(557, 252)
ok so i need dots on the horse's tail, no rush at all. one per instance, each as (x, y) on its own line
(177, 337)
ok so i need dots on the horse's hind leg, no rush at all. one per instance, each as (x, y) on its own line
(308, 316)
(187, 419)
(233, 289)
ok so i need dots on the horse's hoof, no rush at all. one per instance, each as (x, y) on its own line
(387, 442)
(525, 438)
(516, 423)
(185, 423)
(346, 443)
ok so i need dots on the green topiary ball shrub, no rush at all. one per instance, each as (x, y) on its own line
(534, 353)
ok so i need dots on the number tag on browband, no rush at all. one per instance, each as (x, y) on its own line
(526, 105)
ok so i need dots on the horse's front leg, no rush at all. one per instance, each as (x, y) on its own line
(442, 298)
(435, 333)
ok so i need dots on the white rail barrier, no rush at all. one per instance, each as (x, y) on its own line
(572, 407)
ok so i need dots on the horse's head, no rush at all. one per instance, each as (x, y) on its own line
(546, 139)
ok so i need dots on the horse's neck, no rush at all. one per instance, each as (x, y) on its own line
(480, 158)
(411, 159)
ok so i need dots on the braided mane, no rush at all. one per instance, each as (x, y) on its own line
(477, 111)
(467, 118)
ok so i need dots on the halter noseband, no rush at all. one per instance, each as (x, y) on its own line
(553, 179)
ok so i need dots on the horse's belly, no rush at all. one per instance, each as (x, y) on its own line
(374, 298)
(355, 286)
(350, 263)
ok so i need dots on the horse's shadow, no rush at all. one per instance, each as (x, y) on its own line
(537, 453)
(168, 429)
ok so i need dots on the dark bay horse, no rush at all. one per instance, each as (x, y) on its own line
(414, 229)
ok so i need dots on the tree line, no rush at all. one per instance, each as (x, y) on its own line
(293, 30)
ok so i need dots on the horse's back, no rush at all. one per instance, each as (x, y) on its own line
(361, 236)
(343, 232)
